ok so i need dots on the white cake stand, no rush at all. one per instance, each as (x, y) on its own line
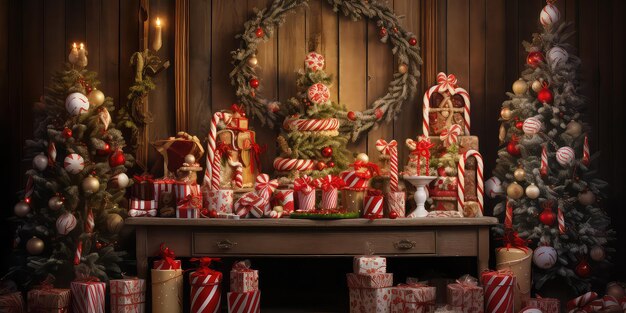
(420, 183)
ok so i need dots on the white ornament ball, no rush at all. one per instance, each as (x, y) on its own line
(74, 163)
(120, 180)
(318, 93)
(96, 98)
(531, 310)
(557, 55)
(574, 129)
(40, 162)
(545, 257)
(597, 253)
(76, 104)
(565, 156)
(363, 157)
(66, 223)
(493, 187)
(314, 61)
(531, 126)
(549, 15)
(536, 86)
(532, 191)
(190, 159)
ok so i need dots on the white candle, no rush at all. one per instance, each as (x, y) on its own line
(156, 44)
(82, 55)
(73, 57)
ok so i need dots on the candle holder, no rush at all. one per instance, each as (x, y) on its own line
(420, 183)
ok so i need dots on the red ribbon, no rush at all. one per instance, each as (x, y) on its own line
(256, 151)
(238, 109)
(329, 182)
(223, 148)
(511, 239)
(422, 149)
(242, 266)
(143, 178)
(203, 266)
(304, 183)
(190, 201)
(371, 169)
(167, 255)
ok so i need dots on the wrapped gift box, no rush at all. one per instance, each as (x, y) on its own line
(142, 208)
(221, 200)
(51, 300)
(466, 293)
(379, 280)
(128, 295)
(546, 305)
(499, 291)
(369, 264)
(353, 200)
(238, 123)
(88, 296)
(12, 303)
(143, 187)
(284, 198)
(413, 298)
(243, 278)
(206, 294)
(363, 300)
(182, 190)
(167, 290)
(248, 302)
(161, 187)
(373, 206)
(189, 207)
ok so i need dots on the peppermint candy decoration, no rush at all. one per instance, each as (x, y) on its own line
(74, 163)
(250, 204)
(549, 15)
(264, 186)
(318, 93)
(449, 136)
(284, 164)
(76, 104)
(565, 156)
(66, 223)
(531, 126)
(314, 61)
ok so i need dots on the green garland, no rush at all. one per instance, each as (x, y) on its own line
(260, 28)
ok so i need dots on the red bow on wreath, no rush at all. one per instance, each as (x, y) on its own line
(372, 169)
(167, 255)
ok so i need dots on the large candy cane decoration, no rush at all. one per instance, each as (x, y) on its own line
(480, 190)
(238, 177)
(212, 171)
(446, 83)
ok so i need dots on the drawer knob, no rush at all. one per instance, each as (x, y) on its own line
(404, 244)
(226, 244)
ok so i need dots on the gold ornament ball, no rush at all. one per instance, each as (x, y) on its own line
(363, 157)
(35, 246)
(190, 159)
(91, 184)
(520, 87)
(253, 61)
(586, 197)
(21, 208)
(96, 97)
(536, 86)
(532, 191)
(55, 203)
(403, 68)
(574, 129)
(506, 114)
(597, 253)
(519, 174)
(515, 191)
(114, 223)
(615, 289)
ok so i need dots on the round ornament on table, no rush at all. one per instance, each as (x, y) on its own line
(534, 59)
(574, 129)
(117, 158)
(120, 180)
(403, 68)
(327, 152)
(520, 87)
(545, 95)
(114, 223)
(545, 257)
(318, 93)
(96, 98)
(55, 203)
(253, 61)
(586, 197)
(532, 125)
(597, 253)
(76, 104)
(314, 61)
(363, 157)
(506, 114)
(557, 55)
(547, 217)
(549, 15)
(514, 191)
(565, 156)
(519, 174)
(73, 163)
(40, 162)
(583, 269)
(537, 86)
(35, 246)
(90, 184)
(21, 209)
(493, 187)
(532, 191)
(66, 223)
(393, 215)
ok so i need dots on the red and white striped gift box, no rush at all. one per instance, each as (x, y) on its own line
(306, 200)
(141, 208)
(88, 296)
(12, 303)
(284, 198)
(373, 206)
(251, 204)
(221, 200)
(244, 302)
(499, 287)
(181, 190)
(128, 295)
(329, 198)
(396, 203)
(206, 293)
(164, 185)
(165, 265)
(354, 180)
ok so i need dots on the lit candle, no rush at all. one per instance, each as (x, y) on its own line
(82, 55)
(156, 44)
(73, 57)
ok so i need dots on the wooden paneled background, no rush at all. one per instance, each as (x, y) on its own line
(478, 40)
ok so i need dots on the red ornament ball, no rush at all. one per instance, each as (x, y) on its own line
(382, 32)
(393, 215)
(583, 269)
(351, 115)
(441, 171)
(67, 133)
(547, 217)
(535, 58)
(513, 149)
(378, 113)
(327, 152)
(104, 151)
(213, 214)
(331, 164)
(259, 32)
(320, 166)
(117, 158)
(519, 124)
(412, 41)
(254, 83)
(545, 95)
(98, 245)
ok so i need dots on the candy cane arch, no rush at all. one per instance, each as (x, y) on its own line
(446, 83)
(212, 171)
(480, 190)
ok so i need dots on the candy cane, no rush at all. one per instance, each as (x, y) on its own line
(586, 157)
(79, 252)
(561, 220)
(238, 179)
(446, 83)
(544, 161)
(480, 191)
(508, 218)
(212, 170)
(89, 222)
(312, 124)
(390, 149)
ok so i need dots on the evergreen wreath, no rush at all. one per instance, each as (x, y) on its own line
(260, 28)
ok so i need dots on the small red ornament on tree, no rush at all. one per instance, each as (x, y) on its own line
(117, 158)
(519, 124)
(382, 32)
(259, 32)
(545, 94)
(67, 133)
(327, 152)
(378, 113)
(351, 115)
(583, 269)
(106, 150)
(254, 83)
(320, 166)
(512, 147)
(535, 58)
(412, 41)
(98, 245)
(547, 217)
(331, 164)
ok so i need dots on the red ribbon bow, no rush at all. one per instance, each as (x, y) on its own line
(371, 169)
(304, 184)
(242, 266)
(238, 109)
(385, 147)
(167, 255)
(447, 82)
(256, 151)
(223, 147)
(191, 201)
(203, 266)
(329, 182)
(143, 178)
(422, 148)
(511, 239)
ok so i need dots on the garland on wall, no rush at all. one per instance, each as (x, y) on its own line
(263, 25)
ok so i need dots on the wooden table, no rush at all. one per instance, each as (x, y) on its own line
(427, 237)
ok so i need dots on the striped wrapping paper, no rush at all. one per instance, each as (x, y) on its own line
(206, 293)
(396, 203)
(12, 303)
(49, 300)
(244, 302)
(284, 198)
(141, 208)
(181, 190)
(163, 265)
(88, 296)
(499, 286)
(128, 295)
(161, 186)
(329, 198)
(373, 207)
(306, 200)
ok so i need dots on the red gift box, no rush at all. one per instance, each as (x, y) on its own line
(128, 295)
(206, 294)
(189, 207)
(243, 278)
(499, 288)
(161, 186)
(329, 185)
(466, 293)
(12, 303)
(88, 296)
(248, 302)
(284, 198)
(413, 298)
(49, 300)
(363, 300)
(373, 207)
(250, 204)
(142, 208)
(305, 193)
(182, 190)
(143, 188)
(378, 280)
(369, 264)
(546, 305)
(238, 123)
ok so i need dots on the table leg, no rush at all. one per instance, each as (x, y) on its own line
(483, 249)
(141, 234)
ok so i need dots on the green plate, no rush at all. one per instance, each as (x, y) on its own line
(321, 215)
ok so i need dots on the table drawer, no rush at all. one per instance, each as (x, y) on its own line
(320, 243)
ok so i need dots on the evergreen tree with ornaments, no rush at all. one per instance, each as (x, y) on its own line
(550, 194)
(311, 142)
(72, 208)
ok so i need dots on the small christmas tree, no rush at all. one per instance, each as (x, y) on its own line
(311, 142)
(73, 204)
(545, 166)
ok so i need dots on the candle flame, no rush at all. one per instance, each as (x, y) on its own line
(82, 46)
(158, 22)
(74, 45)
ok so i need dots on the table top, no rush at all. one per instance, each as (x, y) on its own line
(295, 223)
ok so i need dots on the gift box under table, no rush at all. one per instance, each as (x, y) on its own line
(244, 302)
(12, 303)
(413, 298)
(370, 300)
(88, 296)
(206, 292)
(369, 264)
(378, 280)
(546, 305)
(51, 300)
(469, 297)
(244, 280)
(128, 295)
